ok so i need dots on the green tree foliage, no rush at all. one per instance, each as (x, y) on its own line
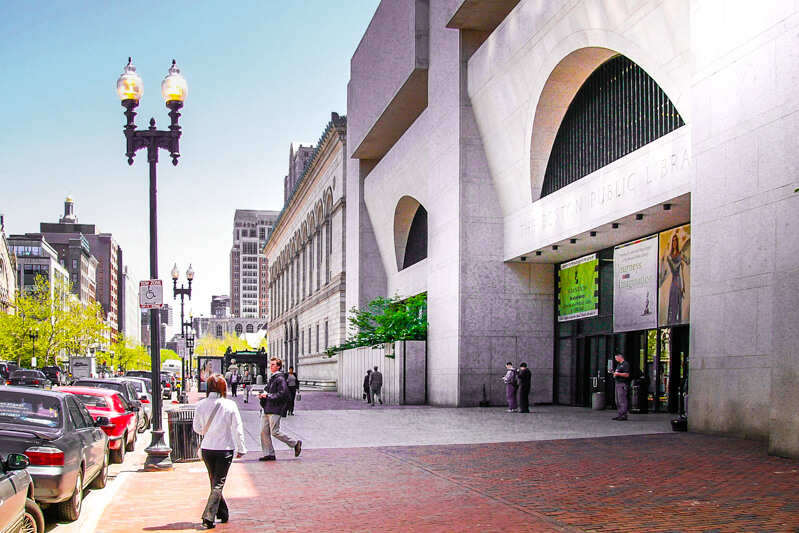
(57, 320)
(210, 345)
(130, 355)
(385, 321)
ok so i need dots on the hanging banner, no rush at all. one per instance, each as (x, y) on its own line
(578, 289)
(674, 276)
(635, 267)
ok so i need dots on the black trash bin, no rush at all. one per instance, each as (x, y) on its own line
(182, 438)
(638, 401)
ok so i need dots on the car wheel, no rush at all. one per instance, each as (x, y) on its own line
(130, 446)
(70, 509)
(102, 476)
(33, 522)
(119, 454)
(142, 425)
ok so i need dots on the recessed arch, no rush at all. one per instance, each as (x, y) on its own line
(410, 232)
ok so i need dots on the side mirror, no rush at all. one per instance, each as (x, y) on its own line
(143, 397)
(102, 422)
(17, 461)
(134, 408)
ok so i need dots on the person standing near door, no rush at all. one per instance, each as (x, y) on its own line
(525, 378)
(622, 378)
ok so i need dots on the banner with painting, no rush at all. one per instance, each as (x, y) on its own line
(674, 276)
(635, 283)
(209, 366)
(578, 289)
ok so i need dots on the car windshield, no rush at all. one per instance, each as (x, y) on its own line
(90, 400)
(138, 385)
(101, 385)
(25, 374)
(30, 409)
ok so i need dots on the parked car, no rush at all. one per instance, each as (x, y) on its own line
(29, 378)
(6, 368)
(122, 431)
(55, 374)
(122, 386)
(67, 449)
(143, 388)
(18, 510)
(166, 383)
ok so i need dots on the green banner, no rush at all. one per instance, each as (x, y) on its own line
(577, 283)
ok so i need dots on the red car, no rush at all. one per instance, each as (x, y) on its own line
(105, 402)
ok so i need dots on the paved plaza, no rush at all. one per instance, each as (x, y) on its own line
(390, 468)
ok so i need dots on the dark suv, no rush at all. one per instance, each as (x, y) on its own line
(55, 374)
(121, 386)
(6, 368)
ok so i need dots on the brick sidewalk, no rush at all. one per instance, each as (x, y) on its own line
(669, 482)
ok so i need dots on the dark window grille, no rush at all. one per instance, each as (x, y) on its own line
(618, 110)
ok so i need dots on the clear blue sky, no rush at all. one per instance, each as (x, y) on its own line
(261, 74)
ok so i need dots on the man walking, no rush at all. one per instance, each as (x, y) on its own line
(525, 377)
(367, 394)
(375, 384)
(622, 377)
(273, 402)
(234, 382)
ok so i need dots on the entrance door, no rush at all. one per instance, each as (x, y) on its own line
(592, 356)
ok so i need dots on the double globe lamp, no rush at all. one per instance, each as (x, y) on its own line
(174, 90)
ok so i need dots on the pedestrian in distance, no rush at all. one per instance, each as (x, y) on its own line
(622, 378)
(234, 382)
(246, 382)
(375, 384)
(367, 393)
(294, 385)
(218, 420)
(525, 378)
(511, 387)
(273, 403)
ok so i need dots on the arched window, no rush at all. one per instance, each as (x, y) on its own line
(239, 329)
(218, 331)
(617, 110)
(250, 328)
(416, 248)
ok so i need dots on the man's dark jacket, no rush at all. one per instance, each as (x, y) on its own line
(277, 394)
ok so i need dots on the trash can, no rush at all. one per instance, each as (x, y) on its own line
(638, 401)
(182, 438)
(598, 401)
(679, 424)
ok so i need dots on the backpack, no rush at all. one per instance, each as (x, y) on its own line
(516, 381)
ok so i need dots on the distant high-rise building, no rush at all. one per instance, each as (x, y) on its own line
(248, 266)
(100, 245)
(35, 257)
(220, 306)
(299, 157)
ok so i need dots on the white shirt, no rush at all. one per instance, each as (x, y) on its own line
(226, 431)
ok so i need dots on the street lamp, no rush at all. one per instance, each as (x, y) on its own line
(183, 325)
(32, 335)
(174, 90)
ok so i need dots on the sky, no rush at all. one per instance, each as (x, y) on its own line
(261, 74)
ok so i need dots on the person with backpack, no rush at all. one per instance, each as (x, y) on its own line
(511, 380)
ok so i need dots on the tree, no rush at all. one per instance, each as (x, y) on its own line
(211, 345)
(130, 355)
(55, 317)
(385, 321)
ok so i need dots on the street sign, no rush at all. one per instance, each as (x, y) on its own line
(151, 294)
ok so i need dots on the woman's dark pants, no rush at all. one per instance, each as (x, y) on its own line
(218, 463)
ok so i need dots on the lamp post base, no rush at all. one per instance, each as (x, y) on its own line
(158, 459)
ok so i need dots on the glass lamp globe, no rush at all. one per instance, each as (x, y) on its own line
(175, 272)
(174, 86)
(190, 273)
(129, 84)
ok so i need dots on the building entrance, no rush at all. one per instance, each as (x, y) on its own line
(593, 354)
(660, 357)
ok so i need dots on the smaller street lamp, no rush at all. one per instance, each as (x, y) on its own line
(33, 336)
(182, 291)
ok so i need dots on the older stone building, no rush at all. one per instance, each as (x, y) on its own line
(590, 177)
(305, 252)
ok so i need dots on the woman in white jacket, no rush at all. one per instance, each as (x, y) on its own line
(218, 420)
